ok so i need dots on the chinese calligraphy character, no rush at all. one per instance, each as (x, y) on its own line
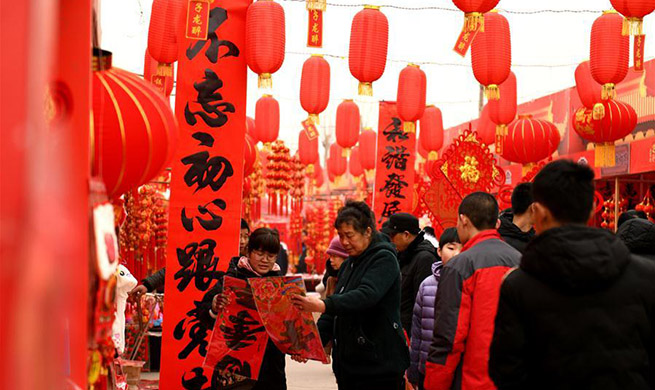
(394, 185)
(198, 262)
(315, 38)
(205, 171)
(196, 30)
(315, 15)
(396, 157)
(214, 109)
(208, 224)
(390, 208)
(196, 20)
(243, 331)
(198, 331)
(216, 17)
(199, 7)
(393, 132)
(315, 28)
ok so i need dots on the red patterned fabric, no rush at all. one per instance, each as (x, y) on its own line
(369, 36)
(491, 52)
(165, 20)
(347, 126)
(530, 140)
(265, 37)
(368, 143)
(430, 137)
(610, 49)
(315, 85)
(588, 89)
(411, 93)
(267, 118)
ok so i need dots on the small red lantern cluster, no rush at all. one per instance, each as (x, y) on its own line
(609, 216)
(430, 137)
(315, 86)
(503, 110)
(347, 126)
(647, 205)
(265, 39)
(491, 53)
(369, 38)
(530, 140)
(267, 119)
(278, 178)
(411, 96)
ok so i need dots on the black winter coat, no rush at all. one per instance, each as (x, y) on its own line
(362, 318)
(639, 236)
(512, 234)
(579, 313)
(415, 266)
(155, 282)
(272, 372)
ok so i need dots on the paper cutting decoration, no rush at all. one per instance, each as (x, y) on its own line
(106, 243)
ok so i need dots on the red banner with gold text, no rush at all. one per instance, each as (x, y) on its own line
(315, 28)
(394, 177)
(205, 203)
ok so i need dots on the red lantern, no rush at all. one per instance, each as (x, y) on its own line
(369, 36)
(634, 12)
(589, 90)
(354, 164)
(319, 176)
(421, 150)
(368, 144)
(491, 53)
(307, 149)
(165, 20)
(503, 110)
(530, 140)
(249, 155)
(485, 128)
(251, 129)
(347, 126)
(315, 86)
(265, 39)
(135, 131)
(430, 137)
(337, 163)
(411, 96)
(474, 11)
(267, 119)
(161, 82)
(610, 52)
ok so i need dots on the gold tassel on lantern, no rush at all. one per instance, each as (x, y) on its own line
(598, 112)
(314, 118)
(409, 127)
(365, 89)
(345, 152)
(492, 92)
(633, 26)
(265, 81)
(474, 21)
(165, 70)
(605, 155)
(433, 155)
(608, 91)
(501, 133)
(527, 168)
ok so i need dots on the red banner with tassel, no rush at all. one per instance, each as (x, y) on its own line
(310, 129)
(465, 40)
(206, 187)
(639, 46)
(315, 28)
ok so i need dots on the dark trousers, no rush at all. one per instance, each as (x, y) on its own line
(421, 379)
(373, 384)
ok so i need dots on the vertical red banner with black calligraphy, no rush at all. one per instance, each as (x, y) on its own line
(206, 181)
(394, 170)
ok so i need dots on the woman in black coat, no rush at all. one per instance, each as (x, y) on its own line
(362, 319)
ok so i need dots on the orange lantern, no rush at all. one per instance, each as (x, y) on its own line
(491, 53)
(347, 126)
(267, 119)
(411, 96)
(265, 39)
(315, 86)
(369, 36)
(610, 52)
(430, 137)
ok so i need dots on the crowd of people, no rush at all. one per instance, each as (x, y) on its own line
(527, 298)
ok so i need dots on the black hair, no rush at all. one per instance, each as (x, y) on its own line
(430, 231)
(356, 214)
(566, 189)
(448, 236)
(244, 225)
(264, 239)
(481, 208)
(521, 198)
(631, 214)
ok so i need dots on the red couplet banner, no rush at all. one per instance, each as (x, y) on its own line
(394, 177)
(205, 204)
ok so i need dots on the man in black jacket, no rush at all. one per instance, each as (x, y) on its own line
(415, 255)
(516, 226)
(579, 312)
(639, 236)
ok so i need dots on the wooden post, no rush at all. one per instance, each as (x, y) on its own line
(616, 203)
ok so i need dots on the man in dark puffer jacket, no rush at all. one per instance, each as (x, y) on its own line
(516, 225)
(639, 236)
(579, 313)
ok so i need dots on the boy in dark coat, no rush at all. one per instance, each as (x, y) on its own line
(579, 313)
(516, 226)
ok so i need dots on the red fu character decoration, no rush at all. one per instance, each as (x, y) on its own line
(430, 137)
(491, 54)
(347, 127)
(265, 40)
(369, 36)
(503, 110)
(530, 140)
(411, 96)
(634, 12)
(315, 86)
(610, 52)
(267, 119)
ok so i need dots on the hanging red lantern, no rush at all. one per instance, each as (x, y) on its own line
(411, 96)
(354, 164)
(634, 12)
(315, 86)
(165, 19)
(421, 150)
(267, 119)
(319, 175)
(491, 53)
(368, 144)
(619, 121)
(610, 52)
(430, 137)
(134, 128)
(337, 163)
(503, 110)
(347, 126)
(485, 128)
(161, 82)
(589, 90)
(265, 39)
(249, 155)
(369, 37)
(530, 140)
(307, 149)
(474, 11)
(250, 128)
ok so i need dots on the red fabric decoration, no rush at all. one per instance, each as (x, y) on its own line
(485, 128)
(411, 96)
(369, 36)
(588, 89)
(530, 140)
(135, 131)
(267, 119)
(503, 110)
(161, 82)
(249, 156)
(165, 22)
(265, 39)
(491, 53)
(337, 163)
(315, 86)
(474, 11)
(347, 126)
(610, 52)
(430, 138)
(307, 149)
(368, 144)
(354, 164)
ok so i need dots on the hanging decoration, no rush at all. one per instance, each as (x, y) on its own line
(530, 140)
(319, 176)
(249, 156)
(267, 117)
(337, 162)
(315, 22)
(368, 143)
(134, 129)
(369, 37)
(486, 128)
(430, 137)
(647, 205)
(503, 110)
(307, 149)
(634, 12)
(265, 40)
(474, 11)
(347, 126)
(609, 212)
(491, 54)
(251, 129)
(297, 191)
(589, 90)
(315, 86)
(278, 178)
(610, 52)
(162, 34)
(164, 83)
(411, 96)
(354, 164)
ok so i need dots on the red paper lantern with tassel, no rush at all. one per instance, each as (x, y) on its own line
(307, 149)
(503, 110)
(610, 52)
(588, 89)
(354, 164)
(368, 144)
(485, 128)
(530, 140)
(411, 96)
(474, 11)
(165, 20)
(430, 137)
(319, 176)
(135, 131)
(634, 12)
(347, 126)
(337, 163)
(315, 86)
(251, 128)
(491, 53)
(249, 155)
(265, 39)
(369, 37)
(163, 83)
(267, 119)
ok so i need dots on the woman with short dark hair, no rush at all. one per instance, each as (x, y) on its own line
(362, 319)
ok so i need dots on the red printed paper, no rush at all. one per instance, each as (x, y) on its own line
(294, 332)
(315, 28)
(159, 82)
(639, 46)
(310, 129)
(394, 177)
(464, 41)
(197, 20)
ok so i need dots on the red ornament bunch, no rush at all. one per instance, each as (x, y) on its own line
(139, 226)
(278, 177)
(297, 185)
(647, 205)
(161, 223)
(609, 214)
